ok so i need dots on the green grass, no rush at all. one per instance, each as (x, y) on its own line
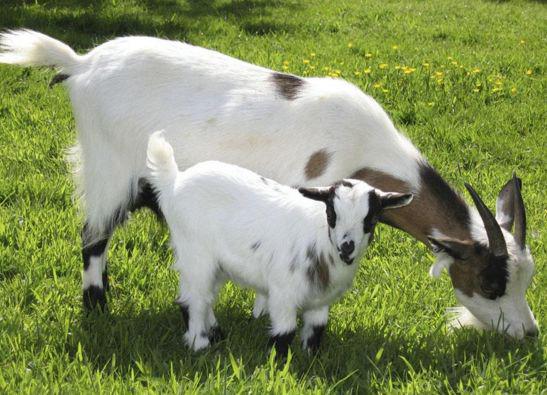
(472, 99)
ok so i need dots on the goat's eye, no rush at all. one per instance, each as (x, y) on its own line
(368, 225)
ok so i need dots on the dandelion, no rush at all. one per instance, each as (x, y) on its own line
(397, 67)
(495, 90)
(522, 42)
(311, 67)
(426, 65)
(368, 55)
(350, 45)
(431, 104)
(306, 61)
(312, 55)
(368, 70)
(529, 72)
(499, 82)
(377, 85)
(514, 90)
(383, 66)
(285, 67)
(476, 70)
(454, 63)
(475, 90)
(439, 74)
(285, 62)
(385, 90)
(394, 47)
(326, 68)
(357, 73)
(408, 70)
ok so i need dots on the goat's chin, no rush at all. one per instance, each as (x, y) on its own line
(460, 317)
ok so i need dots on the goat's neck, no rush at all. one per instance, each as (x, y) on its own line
(436, 207)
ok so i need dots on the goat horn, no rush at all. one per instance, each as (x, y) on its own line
(520, 214)
(493, 230)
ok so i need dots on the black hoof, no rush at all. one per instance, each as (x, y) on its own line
(216, 334)
(314, 341)
(94, 299)
(185, 314)
(281, 343)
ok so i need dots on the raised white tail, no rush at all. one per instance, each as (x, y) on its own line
(30, 48)
(161, 160)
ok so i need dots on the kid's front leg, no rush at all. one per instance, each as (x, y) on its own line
(283, 320)
(315, 322)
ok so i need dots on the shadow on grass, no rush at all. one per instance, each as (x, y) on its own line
(151, 343)
(83, 24)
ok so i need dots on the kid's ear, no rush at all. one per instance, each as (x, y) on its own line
(321, 194)
(389, 200)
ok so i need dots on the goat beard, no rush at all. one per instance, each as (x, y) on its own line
(461, 317)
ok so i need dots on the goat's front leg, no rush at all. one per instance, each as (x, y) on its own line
(283, 320)
(260, 306)
(315, 322)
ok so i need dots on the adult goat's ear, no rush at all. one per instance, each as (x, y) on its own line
(322, 194)
(458, 249)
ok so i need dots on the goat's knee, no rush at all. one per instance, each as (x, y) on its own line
(95, 278)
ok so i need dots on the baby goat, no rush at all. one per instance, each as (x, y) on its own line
(227, 222)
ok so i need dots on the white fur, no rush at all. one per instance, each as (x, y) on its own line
(227, 222)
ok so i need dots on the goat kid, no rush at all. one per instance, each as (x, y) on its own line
(227, 222)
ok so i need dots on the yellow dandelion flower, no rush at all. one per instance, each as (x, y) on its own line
(409, 70)
(522, 42)
(397, 67)
(385, 90)
(368, 70)
(450, 58)
(514, 90)
(350, 45)
(306, 61)
(426, 65)
(454, 63)
(311, 67)
(357, 73)
(286, 62)
(377, 85)
(338, 71)
(476, 70)
(439, 74)
(475, 90)
(431, 104)
(368, 55)
(383, 66)
(499, 82)
(496, 90)
(394, 47)
(285, 67)
(529, 72)
(312, 55)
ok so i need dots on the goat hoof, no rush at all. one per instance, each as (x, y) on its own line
(94, 299)
(216, 335)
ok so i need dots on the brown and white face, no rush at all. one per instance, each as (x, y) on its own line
(353, 208)
(491, 273)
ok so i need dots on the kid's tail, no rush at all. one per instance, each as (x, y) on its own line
(30, 48)
(161, 160)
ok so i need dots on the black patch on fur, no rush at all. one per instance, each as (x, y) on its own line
(106, 283)
(256, 245)
(373, 215)
(493, 278)
(185, 314)
(313, 342)
(57, 79)
(95, 249)
(94, 297)
(451, 203)
(287, 85)
(281, 343)
(147, 197)
(216, 334)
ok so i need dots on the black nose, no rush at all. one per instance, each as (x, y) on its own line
(347, 248)
(532, 332)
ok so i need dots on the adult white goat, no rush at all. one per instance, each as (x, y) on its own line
(227, 222)
(297, 131)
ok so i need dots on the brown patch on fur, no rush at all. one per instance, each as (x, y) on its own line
(287, 85)
(424, 213)
(317, 164)
(318, 272)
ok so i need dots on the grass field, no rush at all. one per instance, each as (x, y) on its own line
(464, 79)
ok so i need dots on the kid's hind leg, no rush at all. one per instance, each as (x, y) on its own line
(197, 283)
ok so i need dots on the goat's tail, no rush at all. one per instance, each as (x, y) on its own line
(29, 48)
(161, 160)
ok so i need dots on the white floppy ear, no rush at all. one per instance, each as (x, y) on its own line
(442, 262)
